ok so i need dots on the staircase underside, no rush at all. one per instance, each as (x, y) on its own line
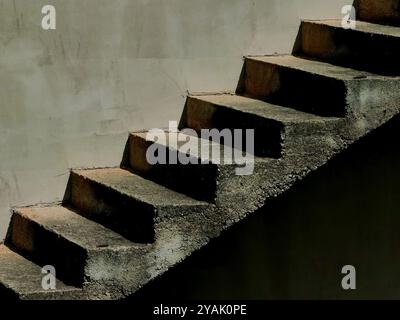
(119, 228)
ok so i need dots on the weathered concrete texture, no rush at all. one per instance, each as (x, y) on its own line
(59, 237)
(101, 262)
(378, 11)
(136, 227)
(325, 89)
(203, 172)
(369, 47)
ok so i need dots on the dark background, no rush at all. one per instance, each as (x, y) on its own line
(295, 247)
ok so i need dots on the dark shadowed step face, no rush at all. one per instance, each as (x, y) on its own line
(378, 11)
(295, 247)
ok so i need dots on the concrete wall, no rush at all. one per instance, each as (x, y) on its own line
(69, 97)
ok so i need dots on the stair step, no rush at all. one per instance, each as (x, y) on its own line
(22, 279)
(197, 179)
(316, 87)
(370, 47)
(379, 11)
(276, 128)
(64, 239)
(126, 202)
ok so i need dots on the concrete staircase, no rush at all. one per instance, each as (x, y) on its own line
(119, 228)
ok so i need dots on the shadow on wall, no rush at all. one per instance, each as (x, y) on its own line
(295, 247)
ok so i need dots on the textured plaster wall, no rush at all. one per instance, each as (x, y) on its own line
(70, 96)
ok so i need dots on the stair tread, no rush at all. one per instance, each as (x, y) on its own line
(263, 109)
(138, 187)
(316, 67)
(195, 143)
(23, 276)
(362, 26)
(75, 228)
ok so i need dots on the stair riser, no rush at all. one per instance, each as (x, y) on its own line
(47, 248)
(200, 114)
(54, 296)
(125, 215)
(372, 99)
(379, 11)
(293, 88)
(8, 294)
(195, 180)
(376, 53)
